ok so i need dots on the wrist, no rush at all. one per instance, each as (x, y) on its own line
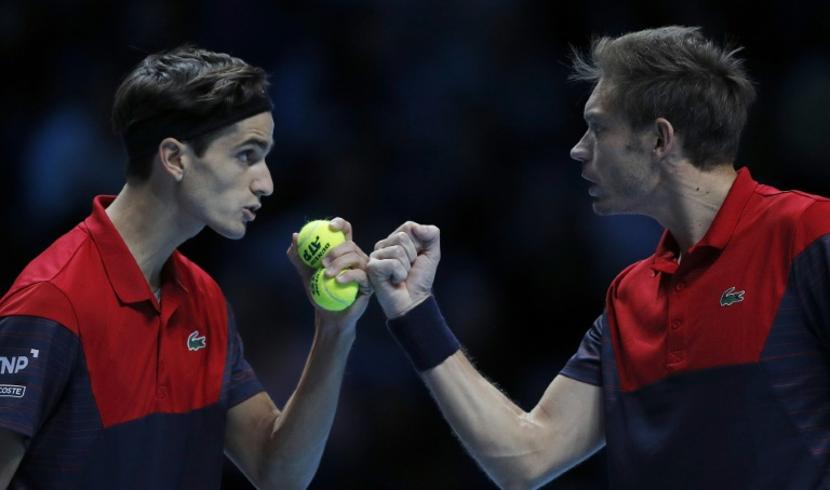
(335, 332)
(397, 313)
(424, 335)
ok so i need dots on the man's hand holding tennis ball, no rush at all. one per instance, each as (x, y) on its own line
(333, 270)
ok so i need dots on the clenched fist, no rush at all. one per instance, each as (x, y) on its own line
(402, 267)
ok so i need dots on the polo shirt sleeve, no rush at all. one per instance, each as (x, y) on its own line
(810, 275)
(243, 382)
(37, 358)
(585, 365)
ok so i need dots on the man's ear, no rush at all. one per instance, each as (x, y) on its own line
(172, 154)
(666, 139)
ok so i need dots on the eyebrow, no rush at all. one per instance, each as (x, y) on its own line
(262, 144)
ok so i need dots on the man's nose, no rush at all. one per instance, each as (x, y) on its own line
(580, 152)
(263, 185)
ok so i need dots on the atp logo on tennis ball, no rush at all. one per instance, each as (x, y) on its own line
(315, 241)
(331, 295)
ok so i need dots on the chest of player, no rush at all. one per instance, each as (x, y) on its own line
(713, 309)
(146, 357)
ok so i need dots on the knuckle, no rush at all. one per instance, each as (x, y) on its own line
(372, 269)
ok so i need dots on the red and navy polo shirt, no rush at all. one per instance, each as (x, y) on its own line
(715, 370)
(113, 388)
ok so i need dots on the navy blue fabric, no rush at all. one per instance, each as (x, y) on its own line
(50, 352)
(61, 418)
(160, 451)
(68, 446)
(764, 425)
(797, 352)
(719, 428)
(798, 374)
(585, 365)
(240, 381)
(424, 335)
(811, 280)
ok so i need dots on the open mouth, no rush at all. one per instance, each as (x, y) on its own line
(249, 213)
(586, 177)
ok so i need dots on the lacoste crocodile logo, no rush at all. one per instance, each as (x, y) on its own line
(194, 342)
(730, 297)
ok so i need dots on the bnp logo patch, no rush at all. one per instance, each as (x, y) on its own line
(730, 297)
(15, 364)
(194, 342)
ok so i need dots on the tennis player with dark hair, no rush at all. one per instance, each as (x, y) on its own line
(709, 367)
(120, 362)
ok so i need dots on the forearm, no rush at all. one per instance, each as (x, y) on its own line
(298, 437)
(497, 433)
(517, 449)
(506, 441)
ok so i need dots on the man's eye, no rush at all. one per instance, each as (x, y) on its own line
(247, 156)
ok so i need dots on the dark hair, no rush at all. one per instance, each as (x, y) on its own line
(185, 81)
(676, 73)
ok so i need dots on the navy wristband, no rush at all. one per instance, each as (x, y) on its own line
(424, 335)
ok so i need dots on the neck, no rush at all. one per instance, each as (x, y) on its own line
(151, 227)
(691, 199)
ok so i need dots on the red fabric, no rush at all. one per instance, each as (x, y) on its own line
(667, 318)
(136, 350)
(41, 300)
(813, 224)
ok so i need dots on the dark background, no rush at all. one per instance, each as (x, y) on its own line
(456, 113)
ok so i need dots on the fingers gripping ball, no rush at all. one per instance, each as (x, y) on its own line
(315, 241)
(330, 294)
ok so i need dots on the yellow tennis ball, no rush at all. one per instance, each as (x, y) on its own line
(331, 295)
(315, 241)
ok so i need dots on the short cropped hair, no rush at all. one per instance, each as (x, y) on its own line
(676, 73)
(186, 80)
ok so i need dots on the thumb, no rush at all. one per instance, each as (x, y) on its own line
(304, 271)
(390, 296)
(291, 252)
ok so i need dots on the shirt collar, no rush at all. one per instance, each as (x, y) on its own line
(719, 232)
(123, 271)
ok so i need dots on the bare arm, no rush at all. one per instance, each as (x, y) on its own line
(12, 449)
(515, 448)
(282, 449)
(518, 449)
